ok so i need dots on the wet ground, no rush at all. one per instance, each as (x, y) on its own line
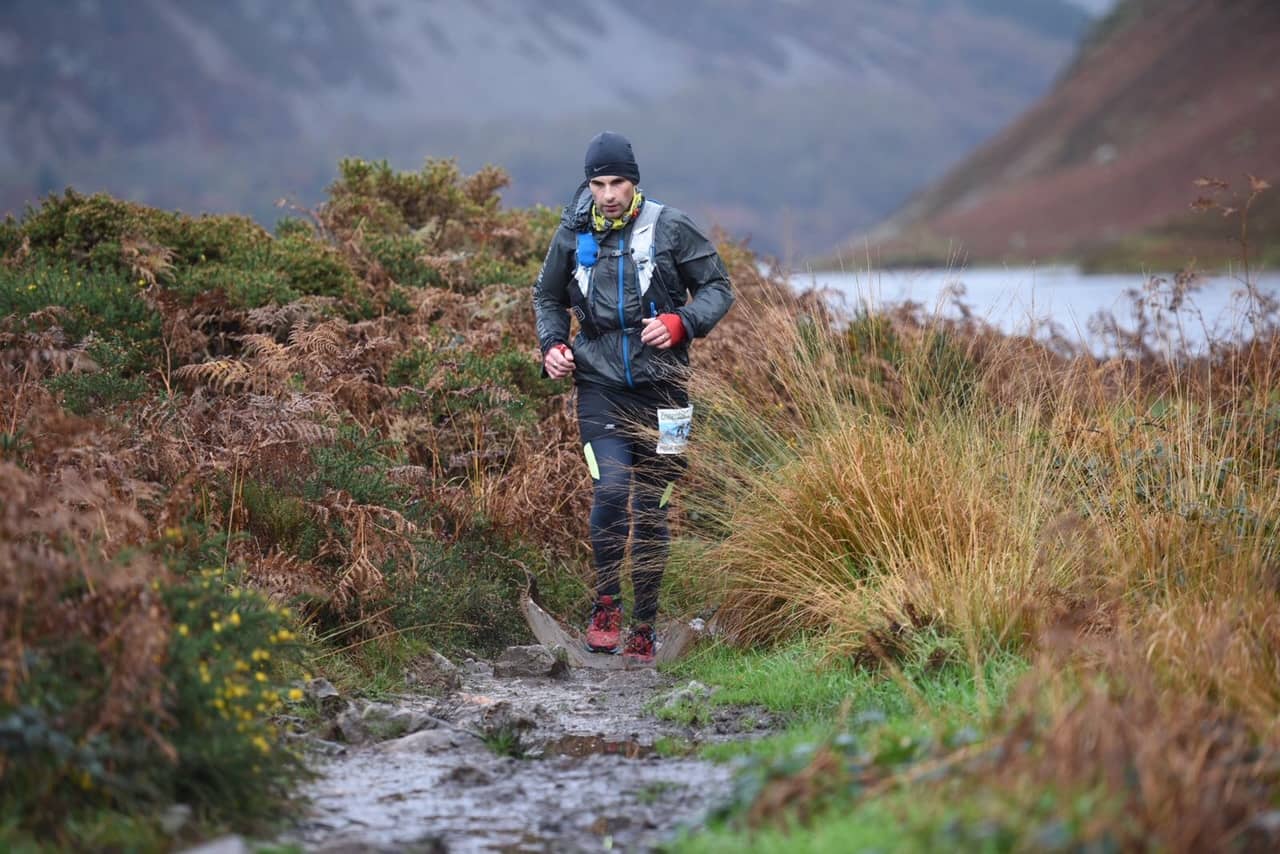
(582, 772)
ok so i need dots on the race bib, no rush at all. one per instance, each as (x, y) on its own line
(673, 429)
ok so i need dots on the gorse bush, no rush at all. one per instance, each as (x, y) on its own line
(83, 301)
(125, 687)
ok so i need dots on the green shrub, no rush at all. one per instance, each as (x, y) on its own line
(280, 518)
(210, 743)
(466, 594)
(372, 197)
(89, 230)
(230, 655)
(276, 270)
(507, 384)
(113, 383)
(10, 237)
(357, 465)
(400, 256)
(105, 303)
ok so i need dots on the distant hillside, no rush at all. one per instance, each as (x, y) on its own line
(794, 122)
(1162, 92)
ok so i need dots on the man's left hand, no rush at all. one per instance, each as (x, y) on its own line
(658, 331)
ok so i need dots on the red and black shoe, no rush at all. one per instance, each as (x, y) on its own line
(641, 644)
(604, 630)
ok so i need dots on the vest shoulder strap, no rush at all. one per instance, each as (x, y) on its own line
(641, 249)
(642, 235)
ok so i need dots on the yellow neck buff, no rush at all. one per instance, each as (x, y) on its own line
(600, 223)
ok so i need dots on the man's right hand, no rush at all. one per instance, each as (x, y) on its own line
(558, 361)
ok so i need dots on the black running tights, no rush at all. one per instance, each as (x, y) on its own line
(630, 499)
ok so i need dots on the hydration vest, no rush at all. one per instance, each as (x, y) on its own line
(641, 250)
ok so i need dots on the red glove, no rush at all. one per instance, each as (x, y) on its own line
(675, 328)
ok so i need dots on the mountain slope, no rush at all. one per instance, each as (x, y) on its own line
(813, 116)
(1164, 92)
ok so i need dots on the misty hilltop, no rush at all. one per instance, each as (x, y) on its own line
(794, 123)
(1164, 95)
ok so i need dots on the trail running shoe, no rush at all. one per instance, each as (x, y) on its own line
(604, 631)
(640, 644)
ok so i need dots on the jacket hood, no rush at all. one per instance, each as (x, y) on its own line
(577, 214)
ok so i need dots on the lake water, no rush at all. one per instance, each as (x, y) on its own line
(1022, 299)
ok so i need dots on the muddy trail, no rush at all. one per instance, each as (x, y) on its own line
(522, 754)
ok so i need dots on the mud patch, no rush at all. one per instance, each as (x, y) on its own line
(588, 777)
(581, 746)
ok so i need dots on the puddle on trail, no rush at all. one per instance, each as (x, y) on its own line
(591, 780)
(579, 746)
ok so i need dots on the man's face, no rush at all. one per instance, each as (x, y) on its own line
(612, 194)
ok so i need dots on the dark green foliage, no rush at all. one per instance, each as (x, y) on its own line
(356, 464)
(103, 302)
(228, 657)
(933, 369)
(277, 270)
(401, 257)
(112, 383)
(454, 380)
(192, 255)
(280, 519)
(466, 595)
(10, 237)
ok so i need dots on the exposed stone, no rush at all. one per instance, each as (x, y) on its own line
(434, 674)
(426, 741)
(325, 697)
(503, 715)
(319, 745)
(173, 819)
(473, 667)
(468, 775)
(533, 660)
(221, 845)
(349, 726)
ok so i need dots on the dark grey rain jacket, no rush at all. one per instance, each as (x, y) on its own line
(689, 280)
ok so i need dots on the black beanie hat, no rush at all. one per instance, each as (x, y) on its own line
(609, 153)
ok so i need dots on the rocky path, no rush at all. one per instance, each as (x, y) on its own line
(580, 773)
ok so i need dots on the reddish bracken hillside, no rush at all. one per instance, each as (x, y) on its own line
(1164, 92)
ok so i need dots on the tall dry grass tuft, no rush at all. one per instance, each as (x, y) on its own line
(897, 472)
(1174, 772)
(859, 496)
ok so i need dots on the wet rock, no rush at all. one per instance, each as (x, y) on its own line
(434, 674)
(221, 845)
(365, 722)
(426, 741)
(503, 715)
(533, 660)
(472, 667)
(391, 722)
(468, 775)
(173, 819)
(316, 744)
(325, 697)
(349, 727)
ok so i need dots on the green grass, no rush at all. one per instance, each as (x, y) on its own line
(795, 682)
(883, 719)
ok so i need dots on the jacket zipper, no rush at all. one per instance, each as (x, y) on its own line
(622, 320)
